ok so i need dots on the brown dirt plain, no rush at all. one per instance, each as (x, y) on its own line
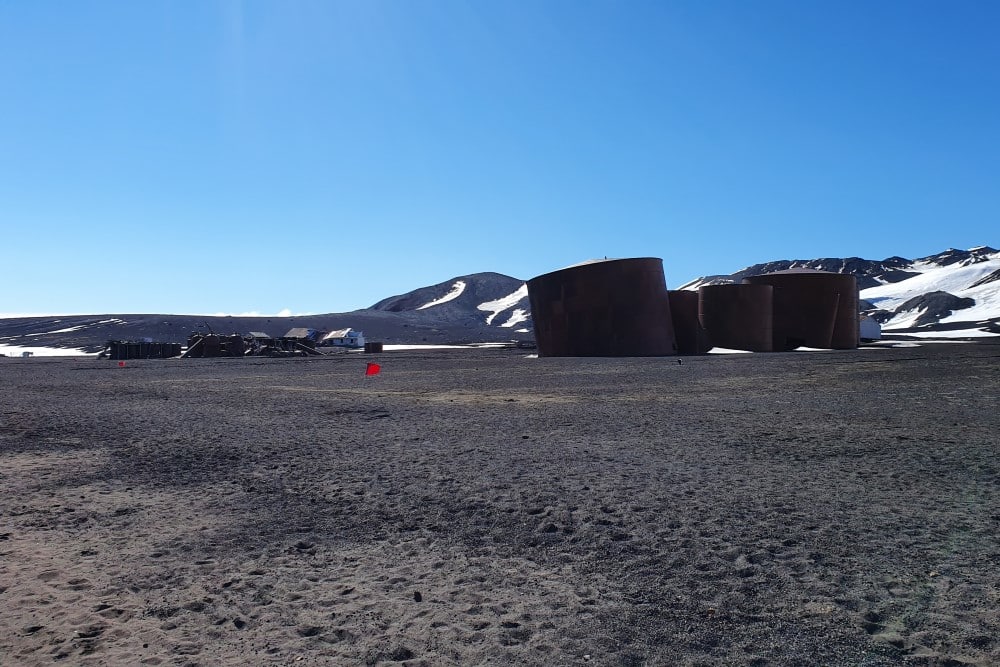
(481, 507)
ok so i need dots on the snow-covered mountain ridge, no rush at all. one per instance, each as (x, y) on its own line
(955, 292)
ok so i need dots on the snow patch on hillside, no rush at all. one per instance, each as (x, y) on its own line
(59, 331)
(17, 350)
(956, 279)
(497, 306)
(987, 304)
(952, 279)
(905, 319)
(519, 315)
(78, 327)
(958, 333)
(456, 291)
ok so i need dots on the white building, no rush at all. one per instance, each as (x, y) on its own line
(870, 329)
(343, 338)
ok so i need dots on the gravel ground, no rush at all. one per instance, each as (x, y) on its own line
(483, 507)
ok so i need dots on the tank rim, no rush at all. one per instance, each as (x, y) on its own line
(581, 266)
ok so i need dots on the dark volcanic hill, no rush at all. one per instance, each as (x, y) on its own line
(490, 299)
(489, 307)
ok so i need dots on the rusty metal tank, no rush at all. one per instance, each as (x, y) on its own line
(738, 317)
(235, 346)
(813, 308)
(690, 335)
(610, 308)
(211, 346)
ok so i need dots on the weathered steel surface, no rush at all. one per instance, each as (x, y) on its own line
(235, 346)
(690, 334)
(121, 349)
(612, 308)
(738, 317)
(813, 309)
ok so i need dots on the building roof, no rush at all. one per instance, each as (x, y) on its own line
(303, 332)
(342, 333)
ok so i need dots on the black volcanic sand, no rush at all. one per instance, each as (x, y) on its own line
(480, 507)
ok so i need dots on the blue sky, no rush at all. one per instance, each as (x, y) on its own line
(201, 157)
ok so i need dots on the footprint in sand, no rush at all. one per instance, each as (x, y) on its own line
(79, 584)
(514, 633)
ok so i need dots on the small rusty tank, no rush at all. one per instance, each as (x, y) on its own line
(813, 308)
(609, 308)
(738, 317)
(690, 335)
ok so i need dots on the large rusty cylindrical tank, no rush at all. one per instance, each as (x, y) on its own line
(813, 308)
(738, 317)
(235, 345)
(194, 348)
(610, 308)
(847, 329)
(211, 346)
(690, 335)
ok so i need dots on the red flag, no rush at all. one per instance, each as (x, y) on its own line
(372, 369)
(121, 364)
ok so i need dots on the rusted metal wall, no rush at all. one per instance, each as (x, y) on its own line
(690, 335)
(235, 346)
(847, 328)
(613, 308)
(121, 349)
(738, 317)
(813, 309)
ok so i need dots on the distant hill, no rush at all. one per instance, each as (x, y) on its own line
(482, 307)
(952, 293)
(481, 299)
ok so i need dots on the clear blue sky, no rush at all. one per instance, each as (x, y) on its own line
(200, 157)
